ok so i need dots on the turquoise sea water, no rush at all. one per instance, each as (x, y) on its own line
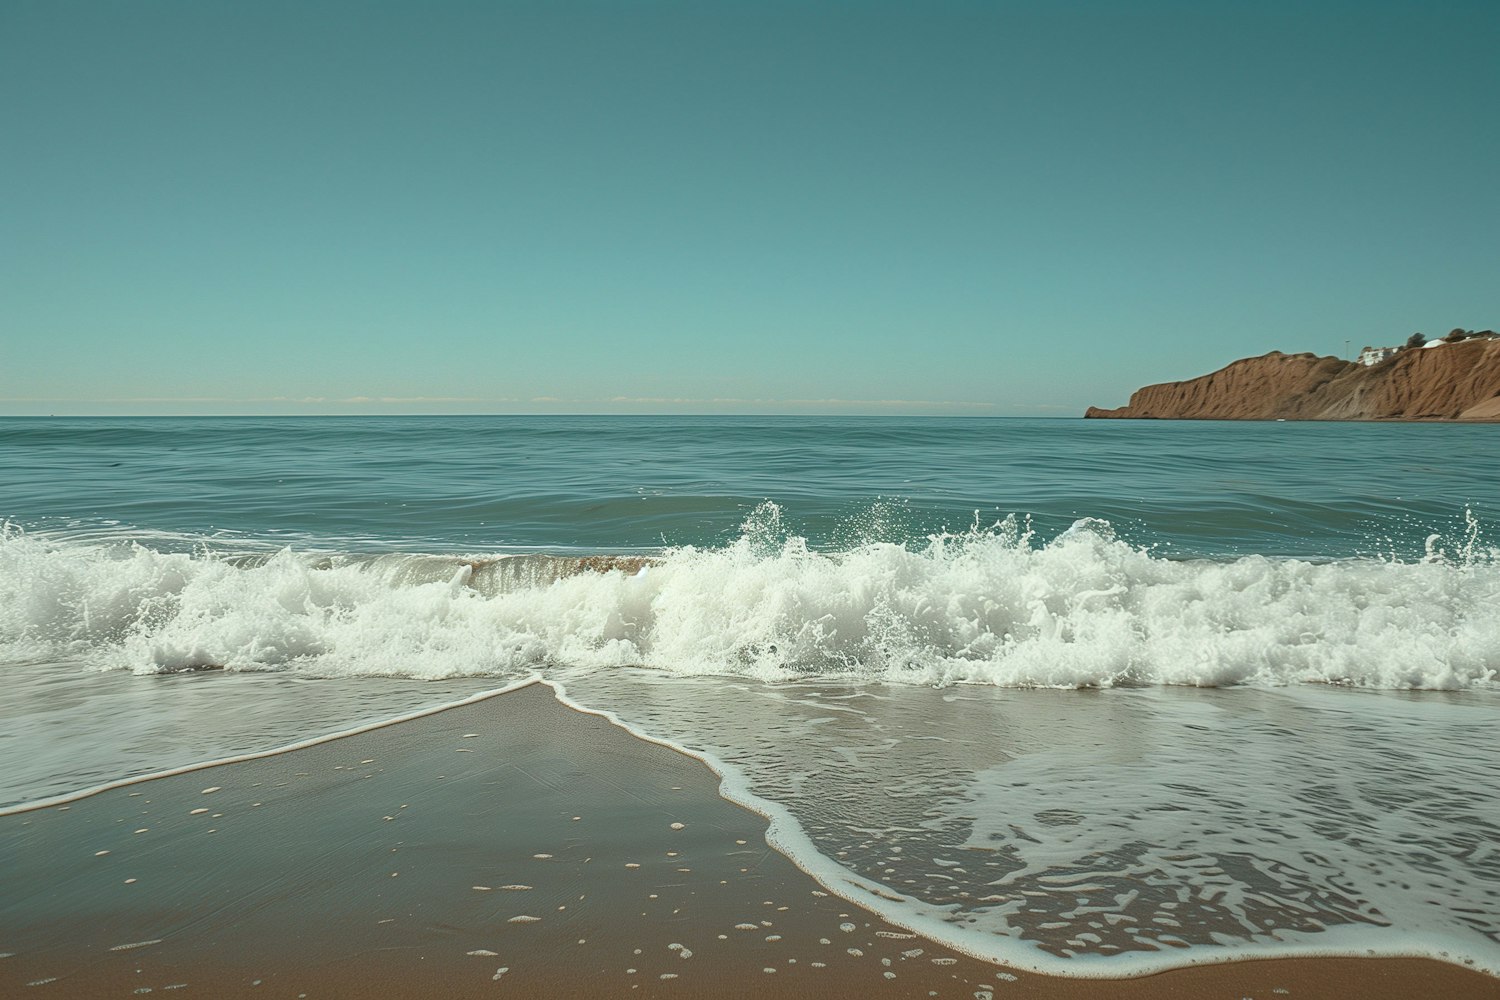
(488, 484)
(1094, 697)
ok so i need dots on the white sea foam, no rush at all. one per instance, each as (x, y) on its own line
(1116, 835)
(992, 606)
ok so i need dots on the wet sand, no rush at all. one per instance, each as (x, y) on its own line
(506, 847)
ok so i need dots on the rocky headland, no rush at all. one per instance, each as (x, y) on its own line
(1446, 381)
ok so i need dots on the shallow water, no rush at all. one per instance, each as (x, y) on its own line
(1120, 831)
(1083, 696)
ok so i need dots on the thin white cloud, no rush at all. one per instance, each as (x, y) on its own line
(237, 400)
(740, 401)
(503, 403)
(417, 400)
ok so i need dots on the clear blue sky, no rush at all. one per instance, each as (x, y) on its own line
(925, 207)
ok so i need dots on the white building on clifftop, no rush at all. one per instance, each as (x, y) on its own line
(1375, 355)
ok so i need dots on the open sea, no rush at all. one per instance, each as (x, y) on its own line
(1088, 697)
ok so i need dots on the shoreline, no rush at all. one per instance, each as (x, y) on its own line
(400, 857)
(67, 798)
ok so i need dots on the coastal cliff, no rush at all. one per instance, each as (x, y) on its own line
(1446, 382)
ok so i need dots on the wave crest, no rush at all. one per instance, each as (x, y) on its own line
(992, 605)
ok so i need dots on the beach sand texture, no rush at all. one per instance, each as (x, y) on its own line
(507, 847)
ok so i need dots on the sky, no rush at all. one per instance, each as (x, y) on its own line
(993, 209)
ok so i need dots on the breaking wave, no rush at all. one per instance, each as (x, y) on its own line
(992, 605)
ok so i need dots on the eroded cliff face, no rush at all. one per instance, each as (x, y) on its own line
(1449, 382)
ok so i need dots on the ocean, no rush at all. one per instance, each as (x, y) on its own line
(1090, 698)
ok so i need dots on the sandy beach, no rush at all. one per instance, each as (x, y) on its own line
(510, 846)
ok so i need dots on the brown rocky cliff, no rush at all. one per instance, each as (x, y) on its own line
(1449, 382)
